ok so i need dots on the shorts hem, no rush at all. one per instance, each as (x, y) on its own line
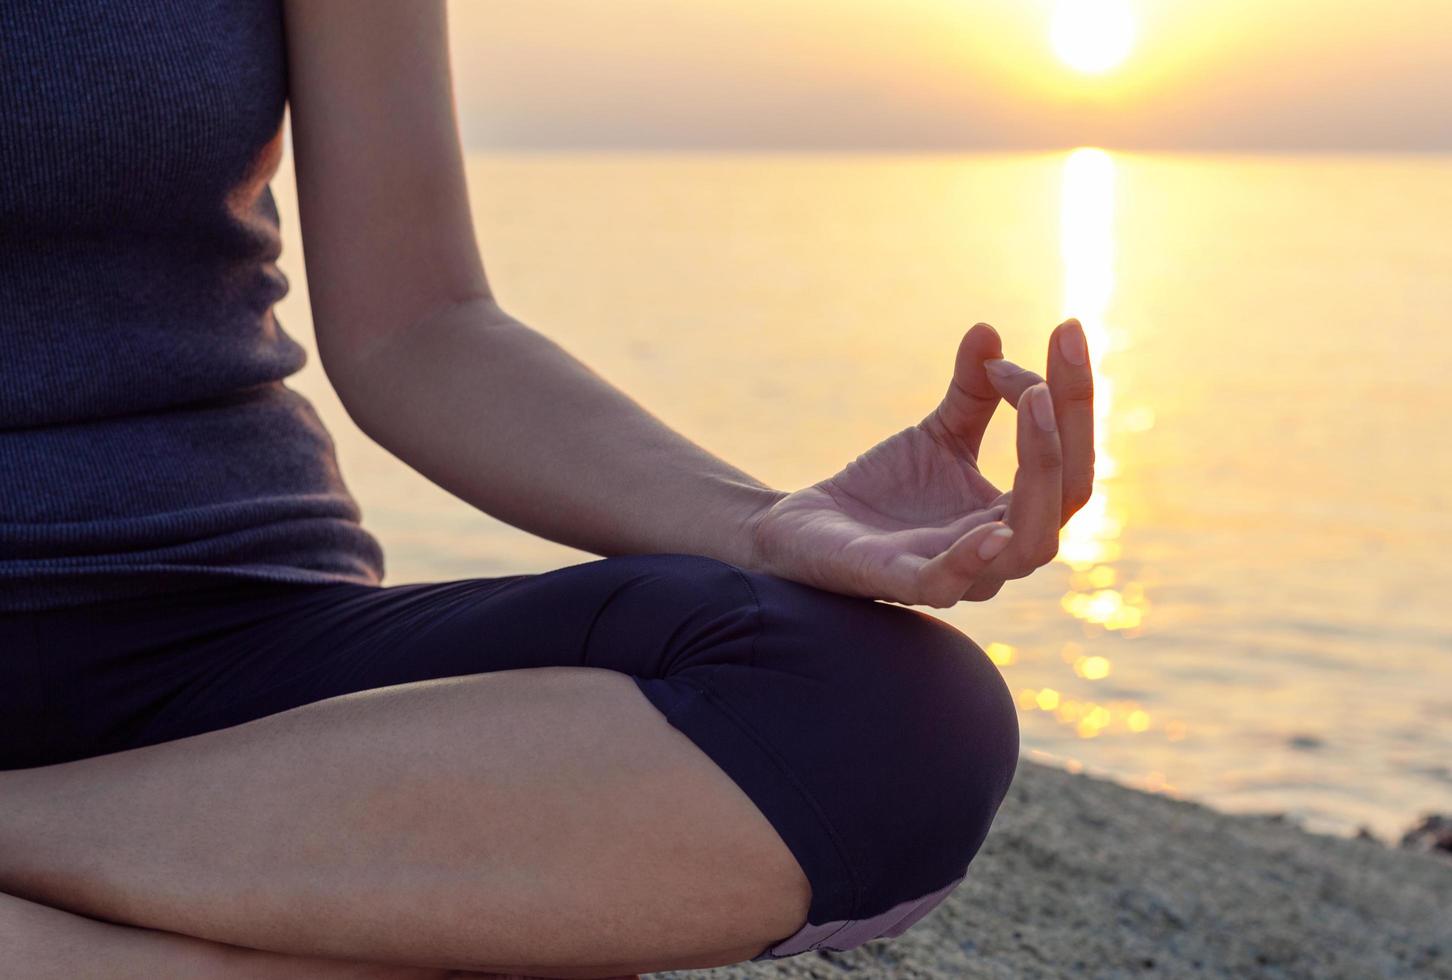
(846, 934)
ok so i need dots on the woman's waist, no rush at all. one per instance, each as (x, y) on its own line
(138, 481)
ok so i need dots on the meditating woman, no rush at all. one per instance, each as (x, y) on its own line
(229, 750)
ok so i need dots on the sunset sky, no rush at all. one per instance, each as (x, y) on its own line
(943, 74)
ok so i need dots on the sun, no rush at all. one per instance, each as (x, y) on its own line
(1092, 36)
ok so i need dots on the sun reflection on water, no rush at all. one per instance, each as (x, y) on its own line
(1090, 541)
(1099, 596)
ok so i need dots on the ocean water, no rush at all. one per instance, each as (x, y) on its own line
(1253, 610)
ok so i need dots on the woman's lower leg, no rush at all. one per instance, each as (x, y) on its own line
(545, 821)
(42, 943)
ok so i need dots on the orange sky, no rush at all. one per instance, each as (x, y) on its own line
(937, 74)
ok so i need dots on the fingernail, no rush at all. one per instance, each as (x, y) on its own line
(1043, 407)
(994, 544)
(1000, 367)
(1072, 344)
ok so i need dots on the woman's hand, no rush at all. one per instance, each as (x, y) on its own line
(912, 520)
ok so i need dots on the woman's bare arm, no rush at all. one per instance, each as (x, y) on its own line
(409, 333)
(428, 365)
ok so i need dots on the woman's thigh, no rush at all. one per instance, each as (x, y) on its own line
(876, 739)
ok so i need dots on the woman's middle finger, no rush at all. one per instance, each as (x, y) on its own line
(1037, 498)
(1071, 381)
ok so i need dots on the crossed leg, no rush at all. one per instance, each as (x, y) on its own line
(327, 772)
(48, 944)
(545, 821)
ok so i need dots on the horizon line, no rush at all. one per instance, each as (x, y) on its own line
(929, 150)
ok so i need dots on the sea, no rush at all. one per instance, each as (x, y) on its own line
(1255, 609)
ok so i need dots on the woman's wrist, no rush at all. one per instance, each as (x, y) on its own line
(744, 552)
(724, 523)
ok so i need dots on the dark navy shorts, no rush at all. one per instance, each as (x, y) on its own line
(878, 740)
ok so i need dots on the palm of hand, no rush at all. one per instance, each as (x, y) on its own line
(909, 495)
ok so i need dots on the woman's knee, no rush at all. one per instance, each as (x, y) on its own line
(935, 728)
(902, 698)
(898, 725)
(896, 677)
(878, 739)
(968, 721)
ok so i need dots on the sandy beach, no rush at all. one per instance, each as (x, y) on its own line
(1082, 877)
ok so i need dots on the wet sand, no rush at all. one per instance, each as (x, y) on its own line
(1082, 877)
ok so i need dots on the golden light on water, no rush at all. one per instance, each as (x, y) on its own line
(1090, 541)
(1092, 36)
(1002, 654)
(1101, 596)
(1090, 718)
(1092, 668)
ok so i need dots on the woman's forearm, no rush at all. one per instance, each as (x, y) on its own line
(506, 419)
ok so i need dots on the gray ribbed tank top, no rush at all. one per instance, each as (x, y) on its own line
(148, 441)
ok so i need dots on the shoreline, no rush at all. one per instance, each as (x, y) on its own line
(1082, 876)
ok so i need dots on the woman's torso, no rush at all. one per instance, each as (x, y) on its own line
(147, 438)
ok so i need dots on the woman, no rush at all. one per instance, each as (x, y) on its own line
(230, 751)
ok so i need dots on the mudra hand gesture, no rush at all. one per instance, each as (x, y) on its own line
(913, 520)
